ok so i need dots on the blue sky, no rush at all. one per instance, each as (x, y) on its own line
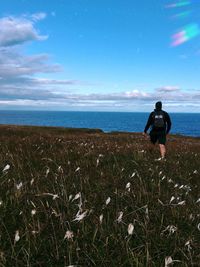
(102, 55)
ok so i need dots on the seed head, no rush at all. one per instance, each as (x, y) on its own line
(119, 219)
(17, 237)
(130, 228)
(6, 168)
(108, 200)
(69, 235)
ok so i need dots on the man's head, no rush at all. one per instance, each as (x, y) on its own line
(158, 105)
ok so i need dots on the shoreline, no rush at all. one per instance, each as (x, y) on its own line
(61, 129)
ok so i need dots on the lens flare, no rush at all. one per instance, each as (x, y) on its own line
(187, 33)
(179, 4)
(182, 15)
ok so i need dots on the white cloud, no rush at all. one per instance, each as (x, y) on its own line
(13, 64)
(18, 70)
(18, 30)
(168, 89)
(45, 99)
(38, 16)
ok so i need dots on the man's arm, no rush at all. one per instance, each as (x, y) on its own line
(149, 122)
(169, 124)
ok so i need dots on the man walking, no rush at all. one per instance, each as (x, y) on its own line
(160, 123)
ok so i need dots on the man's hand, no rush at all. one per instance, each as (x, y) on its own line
(144, 134)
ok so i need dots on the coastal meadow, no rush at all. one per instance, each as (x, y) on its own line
(79, 197)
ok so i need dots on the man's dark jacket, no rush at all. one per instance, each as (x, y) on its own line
(150, 122)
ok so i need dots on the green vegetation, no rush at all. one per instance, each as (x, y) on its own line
(85, 198)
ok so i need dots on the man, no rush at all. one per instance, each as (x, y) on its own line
(160, 123)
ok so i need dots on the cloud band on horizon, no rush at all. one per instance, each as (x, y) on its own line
(21, 83)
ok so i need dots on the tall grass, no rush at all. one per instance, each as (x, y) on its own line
(85, 198)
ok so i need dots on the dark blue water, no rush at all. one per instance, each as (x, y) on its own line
(182, 123)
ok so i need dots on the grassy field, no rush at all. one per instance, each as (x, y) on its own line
(85, 198)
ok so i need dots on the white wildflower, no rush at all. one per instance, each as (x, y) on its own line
(6, 168)
(108, 200)
(128, 186)
(130, 228)
(34, 232)
(55, 213)
(168, 261)
(187, 188)
(17, 237)
(198, 200)
(163, 178)
(77, 169)
(119, 219)
(80, 205)
(141, 151)
(1, 202)
(47, 172)
(159, 159)
(195, 172)
(101, 218)
(33, 204)
(77, 196)
(97, 163)
(172, 198)
(79, 217)
(32, 181)
(147, 212)
(191, 217)
(60, 169)
(176, 185)
(70, 197)
(181, 203)
(160, 202)
(171, 229)
(69, 235)
(33, 212)
(133, 174)
(188, 245)
(55, 196)
(160, 173)
(198, 226)
(19, 185)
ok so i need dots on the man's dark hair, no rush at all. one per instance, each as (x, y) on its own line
(158, 105)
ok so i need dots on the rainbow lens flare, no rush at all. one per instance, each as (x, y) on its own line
(190, 31)
(179, 4)
(182, 15)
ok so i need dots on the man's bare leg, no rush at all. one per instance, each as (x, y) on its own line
(162, 151)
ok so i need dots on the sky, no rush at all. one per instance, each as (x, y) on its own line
(100, 55)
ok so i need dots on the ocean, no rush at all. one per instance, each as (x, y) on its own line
(182, 123)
